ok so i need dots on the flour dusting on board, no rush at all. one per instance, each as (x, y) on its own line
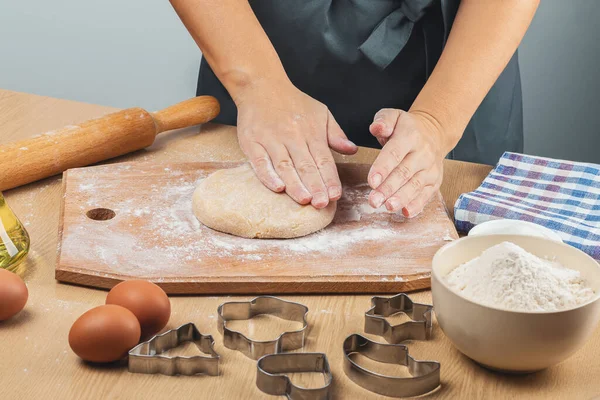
(155, 232)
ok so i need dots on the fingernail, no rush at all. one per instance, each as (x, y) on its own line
(320, 199)
(380, 123)
(304, 197)
(392, 204)
(375, 181)
(334, 192)
(279, 185)
(412, 213)
(377, 199)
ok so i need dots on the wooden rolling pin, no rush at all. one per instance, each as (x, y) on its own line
(96, 140)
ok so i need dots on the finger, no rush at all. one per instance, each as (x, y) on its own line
(386, 184)
(416, 206)
(410, 190)
(284, 166)
(327, 168)
(309, 173)
(263, 167)
(337, 139)
(403, 173)
(384, 123)
(392, 155)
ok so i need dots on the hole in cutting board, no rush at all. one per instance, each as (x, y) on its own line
(101, 214)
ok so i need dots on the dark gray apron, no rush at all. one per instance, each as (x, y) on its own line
(359, 56)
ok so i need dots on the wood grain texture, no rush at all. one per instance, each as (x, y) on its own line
(155, 236)
(190, 112)
(36, 359)
(95, 140)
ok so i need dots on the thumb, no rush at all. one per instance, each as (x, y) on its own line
(384, 124)
(337, 139)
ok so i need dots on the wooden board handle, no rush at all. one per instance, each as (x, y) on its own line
(96, 140)
(195, 111)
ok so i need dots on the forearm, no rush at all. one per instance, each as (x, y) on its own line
(484, 37)
(232, 41)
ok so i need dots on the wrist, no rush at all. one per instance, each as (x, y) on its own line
(446, 138)
(242, 83)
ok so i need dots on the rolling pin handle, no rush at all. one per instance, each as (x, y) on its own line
(194, 111)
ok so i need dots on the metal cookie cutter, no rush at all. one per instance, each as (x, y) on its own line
(255, 349)
(425, 374)
(271, 378)
(145, 358)
(418, 329)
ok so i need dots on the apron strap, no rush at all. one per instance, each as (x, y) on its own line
(391, 35)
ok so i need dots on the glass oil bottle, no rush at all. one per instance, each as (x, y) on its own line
(14, 239)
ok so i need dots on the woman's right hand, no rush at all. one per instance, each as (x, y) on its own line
(287, 136)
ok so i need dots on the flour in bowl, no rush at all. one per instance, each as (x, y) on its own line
(507, 276)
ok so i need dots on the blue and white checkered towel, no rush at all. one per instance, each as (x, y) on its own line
(561, 195)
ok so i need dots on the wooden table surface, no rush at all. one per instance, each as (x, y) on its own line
(36, 361)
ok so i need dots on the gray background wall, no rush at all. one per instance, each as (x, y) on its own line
(137, 53)
(560, 73)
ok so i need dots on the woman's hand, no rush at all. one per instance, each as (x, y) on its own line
(287, 136)
(409, 169)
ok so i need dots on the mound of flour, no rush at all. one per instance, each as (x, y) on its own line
(509, 277)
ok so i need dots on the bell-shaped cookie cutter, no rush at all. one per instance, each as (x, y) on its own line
(425, 374)
(146, 357)
(271, 375)
(381, 307)
(255, 349)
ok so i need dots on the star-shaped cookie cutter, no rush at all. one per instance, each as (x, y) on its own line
(425, 374)
(271, 375)
(381, 307)
(255, 349)
(146, 357)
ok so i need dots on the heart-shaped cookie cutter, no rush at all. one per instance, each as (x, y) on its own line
(271, 375)
(381, 307)
(145, 358)
(425, 374)
(242, 310)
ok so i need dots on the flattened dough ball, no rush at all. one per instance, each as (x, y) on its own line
(235, 201)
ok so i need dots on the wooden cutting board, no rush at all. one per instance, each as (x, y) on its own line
(132, 220)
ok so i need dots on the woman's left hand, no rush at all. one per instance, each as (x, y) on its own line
(409, 169)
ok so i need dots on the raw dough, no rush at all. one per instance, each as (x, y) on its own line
(236, 202)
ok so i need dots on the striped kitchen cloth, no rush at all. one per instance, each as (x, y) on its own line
(561, 195)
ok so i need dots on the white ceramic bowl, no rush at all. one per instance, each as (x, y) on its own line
(513, 227)
(509, 340)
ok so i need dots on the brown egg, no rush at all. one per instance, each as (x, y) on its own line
(146, 300)
(13, 294)
(104, 334)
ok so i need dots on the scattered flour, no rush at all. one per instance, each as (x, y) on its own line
(323, 240)
(155, 234)
(507, 276)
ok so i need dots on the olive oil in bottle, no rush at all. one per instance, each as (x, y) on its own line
(14, 240)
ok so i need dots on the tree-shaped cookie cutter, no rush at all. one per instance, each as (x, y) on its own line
(146, 357)
(381, 307)
(242, 310)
